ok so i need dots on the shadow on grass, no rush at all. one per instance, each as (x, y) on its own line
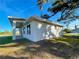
(5, 40)
(45, 49)
(71, 36)
(8, 39)
(10, 57)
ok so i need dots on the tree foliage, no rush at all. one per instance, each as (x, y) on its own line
(67, 30)
(66, 7)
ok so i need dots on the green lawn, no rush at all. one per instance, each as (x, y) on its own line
(70, 41)
(71, 34)
(70, 38)
(58, 48)
(5, 39)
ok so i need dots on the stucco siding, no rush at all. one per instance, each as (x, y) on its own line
(29, 36)
(45, 31)
(40, 31)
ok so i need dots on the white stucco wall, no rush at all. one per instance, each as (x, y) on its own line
(40, 31)
(29, 36)
(46, 31)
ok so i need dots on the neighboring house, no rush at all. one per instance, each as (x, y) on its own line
(76, 30)
(35, 28)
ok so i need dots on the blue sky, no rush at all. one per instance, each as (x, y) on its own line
(22, 9)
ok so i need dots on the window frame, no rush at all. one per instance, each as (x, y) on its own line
(23, 30)
(28, 29)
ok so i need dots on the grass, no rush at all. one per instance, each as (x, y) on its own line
(6, 39)
(70, 41)
(58, 48)
(71, 34)
(70, 38)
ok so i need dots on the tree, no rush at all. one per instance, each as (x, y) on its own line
(66, 7)
(67, 30)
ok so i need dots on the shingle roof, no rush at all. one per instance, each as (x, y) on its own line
(35, 18)
(20, 21)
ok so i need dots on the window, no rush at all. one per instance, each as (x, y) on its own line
(24, 30)
(28, 29)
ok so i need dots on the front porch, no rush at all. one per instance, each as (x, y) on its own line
(18, 37)
(17, 24)
(17, 31)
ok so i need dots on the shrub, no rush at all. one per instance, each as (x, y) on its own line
(67, 30)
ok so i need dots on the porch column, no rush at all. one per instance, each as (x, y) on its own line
(20, 30)
(14, 30)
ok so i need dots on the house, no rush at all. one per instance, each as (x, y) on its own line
(35, 28)
(76, 30)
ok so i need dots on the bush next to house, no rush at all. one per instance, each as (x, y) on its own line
(67, 30)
